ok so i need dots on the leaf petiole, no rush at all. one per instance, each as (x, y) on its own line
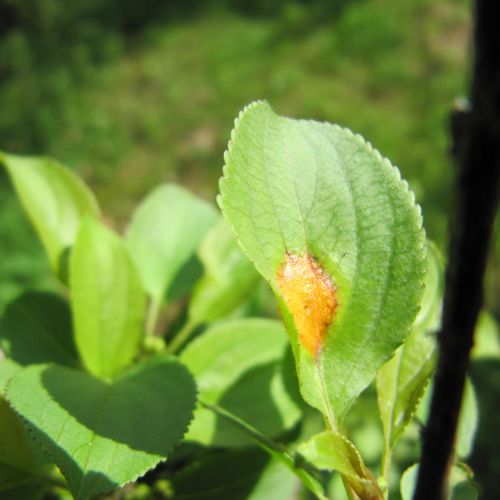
(182, 336)
(152, 317)
(293, 461)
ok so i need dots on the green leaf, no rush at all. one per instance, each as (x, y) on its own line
(408, 482)
(401, 383)
(107, 300)
(429, 316)
(238, 365)
(460, 485)
(19, 457)
(36, 328)
(55, 200)
(336, 233)
(164, 234)
(467, 424)
(229, 278)
(17, 460)
(7, 369)
(485, 374)
(468, 421)
(103, 435)
(185, 280)
(402, 380)
(277, 481)
(332, 451)
(247, 474)
(465, 490)
(486, 337)
(362, 427)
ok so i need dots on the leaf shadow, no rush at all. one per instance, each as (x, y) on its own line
(222, 474)
(485, 374)
(251, 399)
(128, 410)
(36, 328)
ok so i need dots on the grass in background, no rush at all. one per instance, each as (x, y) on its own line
(165, 110)
(161, 108)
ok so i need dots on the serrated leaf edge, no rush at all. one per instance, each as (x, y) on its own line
(31, 428)
(382, 160)
(225, 170)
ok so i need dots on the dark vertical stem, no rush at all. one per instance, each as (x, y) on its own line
(478, 163)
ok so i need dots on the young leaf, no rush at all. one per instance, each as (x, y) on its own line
(332, 451)
(237, 364)
(55, 200)
(336, 233)
(401, 383)
(164, 234)
(229, 278)
(107, 300)
(102, 435)
(36, 328)
(402, 380)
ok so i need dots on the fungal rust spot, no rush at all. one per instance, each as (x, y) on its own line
(311, 298)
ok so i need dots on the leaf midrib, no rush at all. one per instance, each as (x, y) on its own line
(394, 399)
(103, 408)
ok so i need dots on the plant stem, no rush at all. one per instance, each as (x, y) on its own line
(329, 419)
(182, 336)
(47, 478)
(386, 465)
(54, 482)
(152, 317)
(328, 413)
(263, 440)
(347, 488)
(290, 459)
(478, 162)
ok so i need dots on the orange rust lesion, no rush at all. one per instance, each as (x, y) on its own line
(310, 296)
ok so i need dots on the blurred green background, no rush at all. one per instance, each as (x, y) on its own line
(131, 94)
